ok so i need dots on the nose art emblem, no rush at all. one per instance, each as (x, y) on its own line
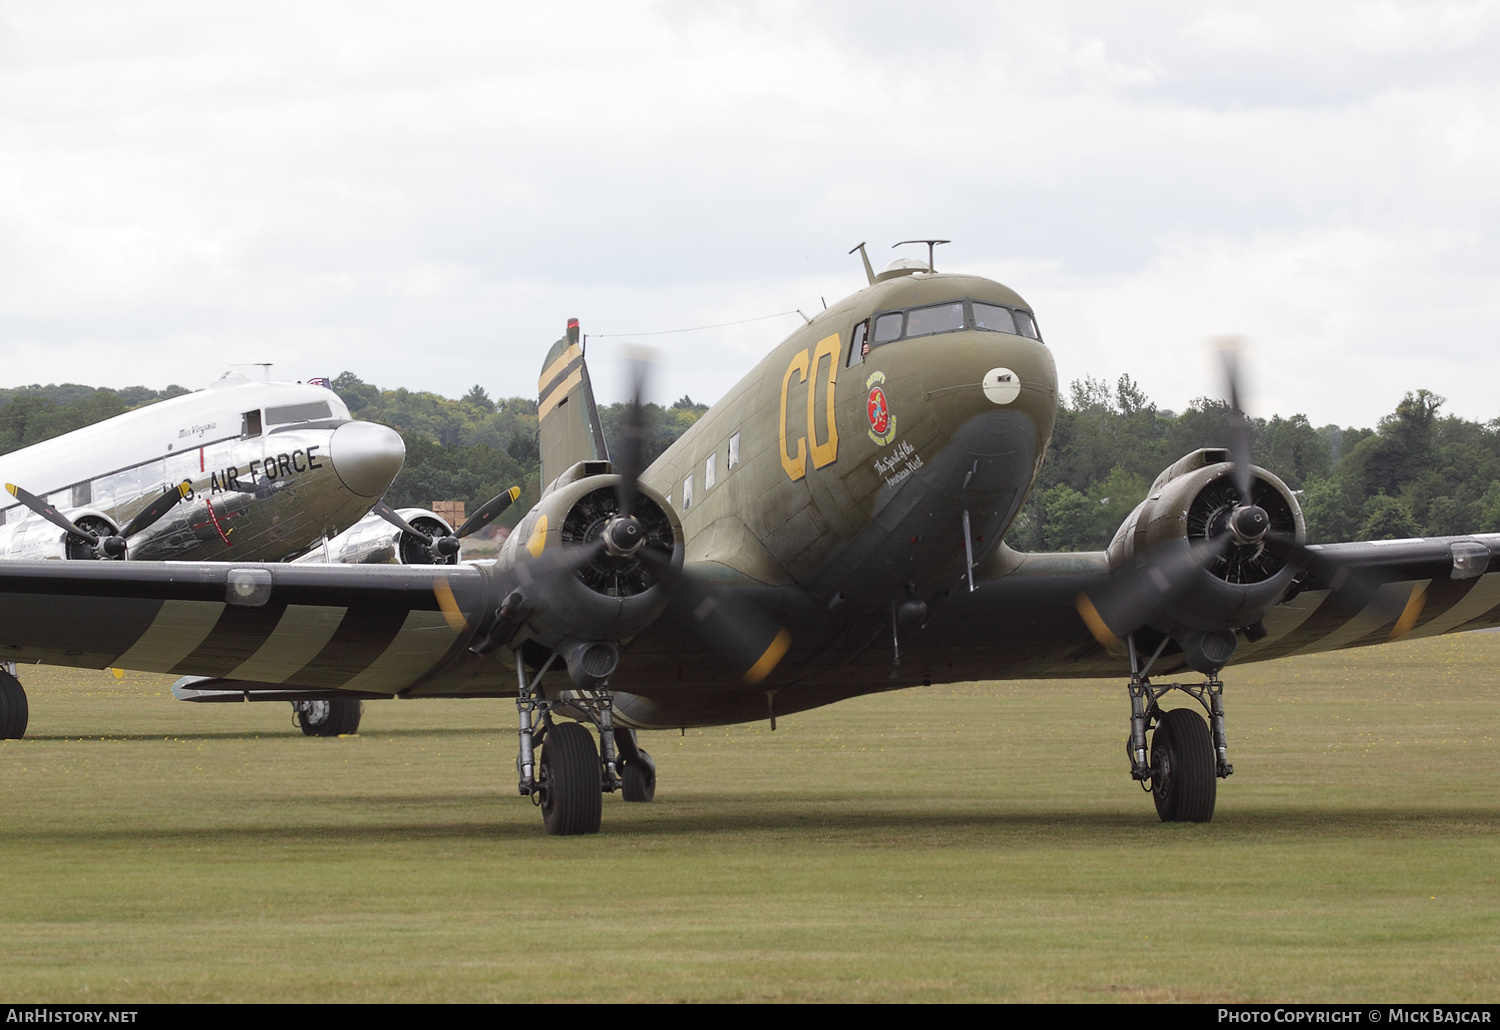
(1001, 385)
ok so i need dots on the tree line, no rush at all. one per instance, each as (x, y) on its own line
(1418, 472)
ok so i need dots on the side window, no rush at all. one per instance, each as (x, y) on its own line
(709, 467)
(888, 327)
(858, 343)
(250, 427)
(734, 450)
(687, 493)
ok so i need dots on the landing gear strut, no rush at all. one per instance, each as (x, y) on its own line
(14, 711)
(1186, 758)
(571, 777)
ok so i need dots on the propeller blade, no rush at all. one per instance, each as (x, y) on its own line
(738, 629)
(491, 510)
(1239, 425)
(388, 513)
(157, 508)
(1126, 601)
(52, 515)
(558, 561)
(633, 438)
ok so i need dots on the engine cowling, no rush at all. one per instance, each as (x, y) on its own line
(1215, 578)
(35, 539)
(587, 576)
(374, 541)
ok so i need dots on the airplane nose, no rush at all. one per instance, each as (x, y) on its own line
(366, 457)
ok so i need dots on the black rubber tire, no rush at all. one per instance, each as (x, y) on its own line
(1184, 783)
(570, 781)
(638, 780)
(341, 717)
(14, 711)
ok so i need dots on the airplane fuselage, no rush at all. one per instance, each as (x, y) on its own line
(273, 469)
(849, 474)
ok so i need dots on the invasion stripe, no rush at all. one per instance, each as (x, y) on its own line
(1281, 622)
(558, 395)
(239, 633)
(362, 637)
(303, 631)
(558, 366)
(423, 640)
(177, 630)
(1481, 598)
(1382, 610)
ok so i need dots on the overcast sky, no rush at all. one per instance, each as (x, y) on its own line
(424, 193)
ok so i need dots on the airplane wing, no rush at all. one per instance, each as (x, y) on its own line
(353, 628)
(1025, 621)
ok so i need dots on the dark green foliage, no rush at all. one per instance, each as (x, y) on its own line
(1418, 474)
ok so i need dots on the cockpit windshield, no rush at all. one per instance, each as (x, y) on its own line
(931, 319)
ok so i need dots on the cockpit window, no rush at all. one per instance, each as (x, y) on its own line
(1027, 324)
(858, 343)
(992, 316)
(297, 413)
(888, 327)
(940, 318)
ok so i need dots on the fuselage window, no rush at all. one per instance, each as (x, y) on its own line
(709, 467)
(687, 493)
(994, 318)
(888, 327)
(734, 450)
(859, 344)
(1027, 325)
(250, 428)
(940, 318)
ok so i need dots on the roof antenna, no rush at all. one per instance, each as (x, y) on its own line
(869, 272)
(930, 245)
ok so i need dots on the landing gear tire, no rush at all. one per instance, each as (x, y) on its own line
(638, 781)
(570, 781)
(333, 718)
(14, 712)
(1183, 781)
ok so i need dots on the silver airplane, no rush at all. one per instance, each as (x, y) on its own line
(239, 471)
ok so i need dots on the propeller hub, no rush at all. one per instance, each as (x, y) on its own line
(624, 536)
(447, 546)
(1249, 523)
(112, 546)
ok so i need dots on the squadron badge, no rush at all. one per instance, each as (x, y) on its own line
(882, 422)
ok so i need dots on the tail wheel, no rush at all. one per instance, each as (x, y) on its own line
(570, 781)
(332, 718)
(14, 711)
(638, 781)
(1183, 782)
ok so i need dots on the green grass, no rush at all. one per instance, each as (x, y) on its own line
(982, 842)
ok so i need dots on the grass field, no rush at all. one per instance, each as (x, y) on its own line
(981, 843)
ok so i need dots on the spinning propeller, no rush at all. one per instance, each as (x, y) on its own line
(105, 545)
(1229, 533)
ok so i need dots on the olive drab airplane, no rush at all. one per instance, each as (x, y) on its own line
(834, 526)
(240, 471)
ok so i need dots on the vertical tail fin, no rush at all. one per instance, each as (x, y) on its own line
(568, 427)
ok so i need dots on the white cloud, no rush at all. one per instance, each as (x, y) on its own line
(424, 195)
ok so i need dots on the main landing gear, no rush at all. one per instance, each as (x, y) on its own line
(570, 778)
(1186, 758)
(14, 712)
